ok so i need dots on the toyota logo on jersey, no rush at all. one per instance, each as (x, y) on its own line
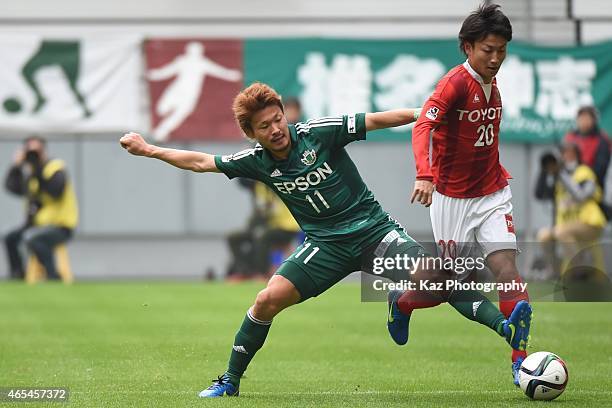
(478, 115)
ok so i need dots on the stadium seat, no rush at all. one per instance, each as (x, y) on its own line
(35, 272)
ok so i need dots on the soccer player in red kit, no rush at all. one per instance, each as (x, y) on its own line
(471, 203)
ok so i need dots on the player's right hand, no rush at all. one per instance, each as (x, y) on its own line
(135, 144)
(422, 193)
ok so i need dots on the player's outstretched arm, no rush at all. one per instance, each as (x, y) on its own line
(183, 159)
(391, 118)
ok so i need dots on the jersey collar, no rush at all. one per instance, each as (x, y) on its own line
(475, 74)
(270, 161)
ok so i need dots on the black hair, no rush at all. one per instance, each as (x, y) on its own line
(486, 20)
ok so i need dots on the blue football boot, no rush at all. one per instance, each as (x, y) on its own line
(219, 387)
(516, 327)
(397, 322)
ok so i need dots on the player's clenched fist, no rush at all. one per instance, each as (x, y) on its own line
(135, 144)
(423, 190)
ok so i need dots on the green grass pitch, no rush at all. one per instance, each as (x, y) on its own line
(158, 344)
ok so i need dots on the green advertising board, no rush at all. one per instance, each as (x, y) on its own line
(541, 87)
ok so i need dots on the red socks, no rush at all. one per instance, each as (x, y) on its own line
(412, 300)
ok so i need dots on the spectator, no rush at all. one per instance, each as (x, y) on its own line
(242, 242)
(593, 142)
(51, 206)
(281, 230)
(271, 228)
(579, 221)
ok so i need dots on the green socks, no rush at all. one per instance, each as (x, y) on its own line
(475, 306)
(248, 340)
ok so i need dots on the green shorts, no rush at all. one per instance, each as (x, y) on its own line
(316, 266)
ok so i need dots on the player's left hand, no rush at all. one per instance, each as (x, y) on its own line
(422, 193)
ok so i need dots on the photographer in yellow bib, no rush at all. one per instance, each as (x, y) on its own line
(579, 220)
(50, 203)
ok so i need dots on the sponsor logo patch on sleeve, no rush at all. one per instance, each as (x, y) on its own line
(352, 128)
(432, 113)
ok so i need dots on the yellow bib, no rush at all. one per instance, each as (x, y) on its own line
(62, 211)
(279, 215)
(587, 212)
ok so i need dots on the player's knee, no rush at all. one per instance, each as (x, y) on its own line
(269, 302)
(503, 266)
(508, 274)
(263, 299)
(433, 270)
(432, 280)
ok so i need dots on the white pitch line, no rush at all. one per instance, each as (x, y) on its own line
(340, 393)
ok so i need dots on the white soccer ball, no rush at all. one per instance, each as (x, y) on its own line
(543, 376)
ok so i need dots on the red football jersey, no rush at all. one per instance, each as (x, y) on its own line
(465, 160)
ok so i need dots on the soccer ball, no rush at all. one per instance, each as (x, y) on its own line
(543, 376)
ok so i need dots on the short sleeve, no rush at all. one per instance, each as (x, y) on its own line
(336, 131)
(240, 164)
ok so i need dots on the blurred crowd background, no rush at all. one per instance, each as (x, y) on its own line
(76, 76)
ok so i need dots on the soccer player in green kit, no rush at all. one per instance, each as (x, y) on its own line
(346, 228)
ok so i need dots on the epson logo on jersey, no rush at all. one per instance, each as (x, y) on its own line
(302, 183)
(478, 115)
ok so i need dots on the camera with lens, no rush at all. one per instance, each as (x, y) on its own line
(549, 168)
(549, 163)
(32, 157)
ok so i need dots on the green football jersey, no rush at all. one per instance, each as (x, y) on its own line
(318, 182)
